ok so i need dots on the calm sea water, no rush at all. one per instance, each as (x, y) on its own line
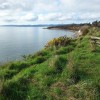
(18, 41)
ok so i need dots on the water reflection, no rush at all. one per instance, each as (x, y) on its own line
(17, 41)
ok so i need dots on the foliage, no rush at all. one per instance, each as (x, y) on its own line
(65, 69)
(58, 42)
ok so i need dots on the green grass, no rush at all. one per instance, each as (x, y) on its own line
(58, 72)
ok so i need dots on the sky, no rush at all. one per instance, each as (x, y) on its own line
(48, 11)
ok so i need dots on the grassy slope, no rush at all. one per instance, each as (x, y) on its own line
(71, 72)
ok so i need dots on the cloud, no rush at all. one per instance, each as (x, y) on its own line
(29, 17)
(21, 18)
(4, 6)
(56, 16)
(30, 11)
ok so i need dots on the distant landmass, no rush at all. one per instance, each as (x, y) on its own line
(76, 27)
(40, 25)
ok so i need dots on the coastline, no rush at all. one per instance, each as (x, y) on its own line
(78, 29)
(65, 68)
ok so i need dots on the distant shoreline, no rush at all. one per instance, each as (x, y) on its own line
(79, 29)
(40, 25)
(73, 27)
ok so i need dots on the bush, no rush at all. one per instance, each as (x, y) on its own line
(84, 30)
(58, 42)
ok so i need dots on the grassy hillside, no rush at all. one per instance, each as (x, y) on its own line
(66, 69)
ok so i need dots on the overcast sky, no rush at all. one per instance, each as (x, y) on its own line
(48, 11)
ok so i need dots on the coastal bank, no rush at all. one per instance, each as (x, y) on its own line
(65, 69)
